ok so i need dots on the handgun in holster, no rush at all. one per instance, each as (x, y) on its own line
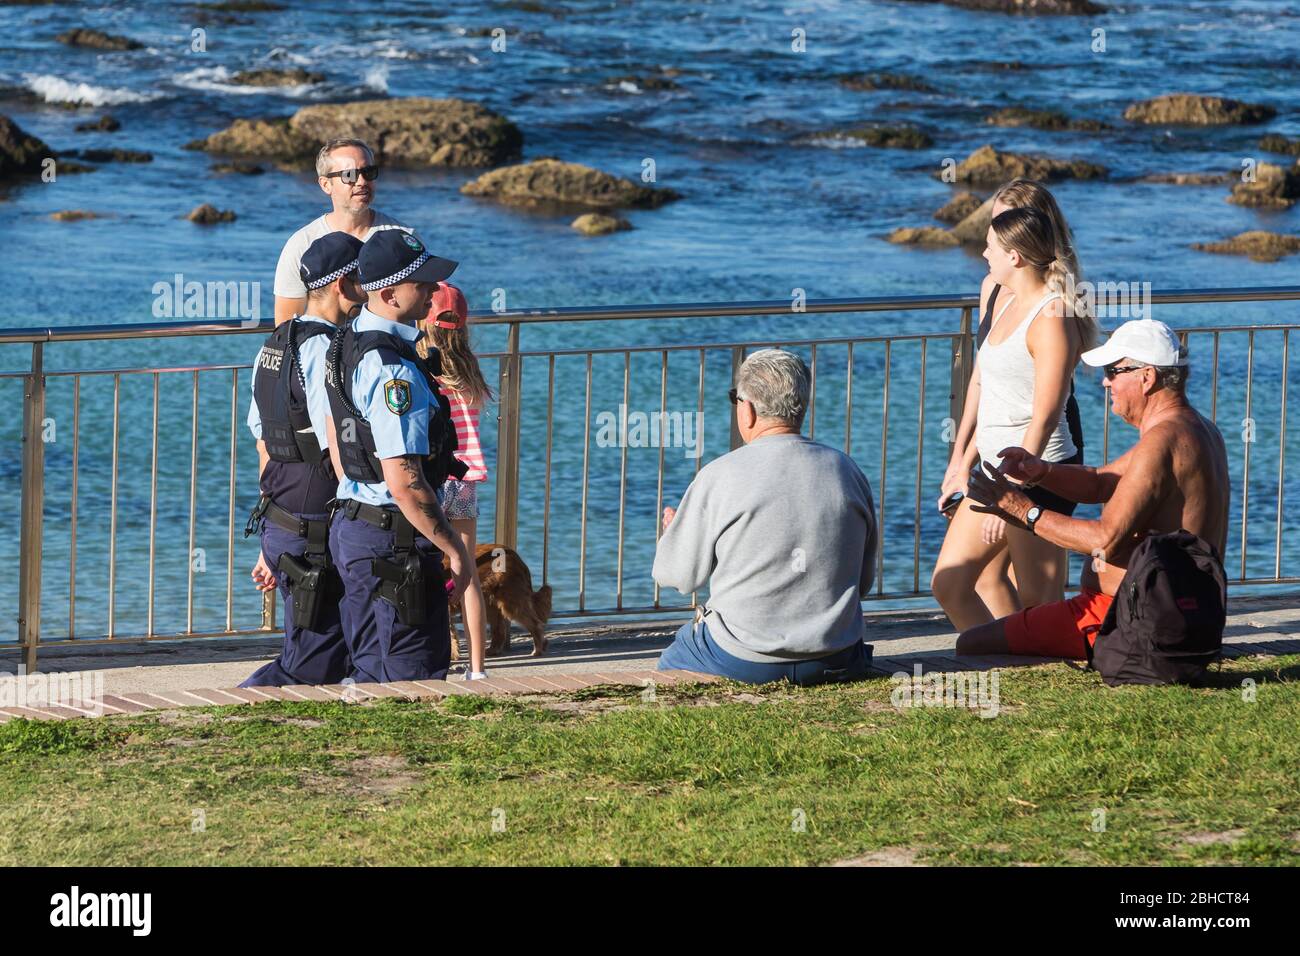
(402, 583)
(311, 576)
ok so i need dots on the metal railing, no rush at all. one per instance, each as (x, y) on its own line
(867, 359)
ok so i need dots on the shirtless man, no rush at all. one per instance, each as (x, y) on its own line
(1175, 477)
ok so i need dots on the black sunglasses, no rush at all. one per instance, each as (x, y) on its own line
(1111, 371)
(349, 176)
(735, 397)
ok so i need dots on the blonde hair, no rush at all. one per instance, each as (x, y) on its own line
(1066, 274)
(460, 369)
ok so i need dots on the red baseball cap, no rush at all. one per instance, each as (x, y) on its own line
(448, 298)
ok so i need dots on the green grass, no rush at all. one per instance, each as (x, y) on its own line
(699, 775)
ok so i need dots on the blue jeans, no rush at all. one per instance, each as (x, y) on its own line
(694, 650)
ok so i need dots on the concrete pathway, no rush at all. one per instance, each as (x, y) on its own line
(626, 652)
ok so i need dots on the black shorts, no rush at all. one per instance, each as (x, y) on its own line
(1051, 502)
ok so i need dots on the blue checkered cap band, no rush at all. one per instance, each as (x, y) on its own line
(397, 277)
(326, 280)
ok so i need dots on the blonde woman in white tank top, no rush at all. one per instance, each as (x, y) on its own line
(1017, 398)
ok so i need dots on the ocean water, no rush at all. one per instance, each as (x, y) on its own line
(763, 212)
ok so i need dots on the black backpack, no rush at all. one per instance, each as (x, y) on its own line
(1165, 625)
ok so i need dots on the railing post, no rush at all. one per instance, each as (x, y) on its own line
(963, 361)
(508, 399)
(737, 360)
(268, 610)
(32, 509)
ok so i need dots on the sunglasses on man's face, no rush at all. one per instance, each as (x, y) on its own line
(1111, 371)
(349, 176)
(735, 397)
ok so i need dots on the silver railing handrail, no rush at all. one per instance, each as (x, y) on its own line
(959, 341)
(684, 310)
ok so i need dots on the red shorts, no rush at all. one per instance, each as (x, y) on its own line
(1058, 629)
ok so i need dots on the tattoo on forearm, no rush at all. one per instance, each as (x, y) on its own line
(432, 511)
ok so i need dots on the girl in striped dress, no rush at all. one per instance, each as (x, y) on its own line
(467, 390)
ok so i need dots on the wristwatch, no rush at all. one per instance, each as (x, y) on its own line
(1031, 518)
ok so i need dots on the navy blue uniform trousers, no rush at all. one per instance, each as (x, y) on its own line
(382, 647)
(307, 656)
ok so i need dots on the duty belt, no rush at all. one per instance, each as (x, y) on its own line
(314, 530)
(386, 519)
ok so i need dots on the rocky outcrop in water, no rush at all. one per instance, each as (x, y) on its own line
(958, 207)
(1259, 245)
(891, 137)
(20, 152)
(73, 215)
(987, 167)
(275, 77)
(271, 139)
(924, 236)
(97, 40)
(238, 167)
(974, 229)
(1189, 109)
(971, 229)
(598, 224)
(1272, 188)
(105, 124)
(1277, 143)
(415, 131)
(544, 182)
(208, 215)
(863, 82)
(1042, 119)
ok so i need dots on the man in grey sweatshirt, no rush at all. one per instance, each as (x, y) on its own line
(783, 530)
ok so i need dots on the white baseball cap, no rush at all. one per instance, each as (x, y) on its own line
(1144, 340)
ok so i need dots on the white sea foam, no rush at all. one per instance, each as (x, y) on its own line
(281, 54)
(55, 89)
(376, 79)
(832, 141)
(384, 49)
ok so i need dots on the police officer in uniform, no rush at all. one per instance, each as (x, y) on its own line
(392, 432)
(289, 418)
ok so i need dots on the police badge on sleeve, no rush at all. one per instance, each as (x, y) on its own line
(397, 396)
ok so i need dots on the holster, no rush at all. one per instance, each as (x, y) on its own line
(402, 583)
(312, 577)
(307, 584)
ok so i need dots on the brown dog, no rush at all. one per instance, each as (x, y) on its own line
(509, 596)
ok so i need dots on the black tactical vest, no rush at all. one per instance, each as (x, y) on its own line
(299, 477)
(356, 442)
(281, 394)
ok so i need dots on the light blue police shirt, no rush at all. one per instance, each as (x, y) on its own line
(311, 355)
(395, 400)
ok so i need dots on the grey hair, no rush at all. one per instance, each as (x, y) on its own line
(323, 157)
(1171, 376)
(776, 382)
(1174, 376)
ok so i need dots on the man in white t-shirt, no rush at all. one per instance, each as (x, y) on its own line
(346, 171)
